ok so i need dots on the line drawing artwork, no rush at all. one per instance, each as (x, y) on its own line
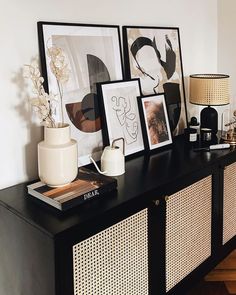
(126, 118)
(121, 114)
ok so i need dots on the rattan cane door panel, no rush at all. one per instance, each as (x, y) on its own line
(188, 230)
(229, 203)
(114, 261)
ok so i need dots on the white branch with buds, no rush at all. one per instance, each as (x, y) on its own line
(42, 102)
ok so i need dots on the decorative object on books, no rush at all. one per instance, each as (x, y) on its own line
(94, 55)
(153, 54)
(209, 90)
(57, 156)
(112, 160)
(120, 114)
(228, 128)
(87, 185)
(155, 121)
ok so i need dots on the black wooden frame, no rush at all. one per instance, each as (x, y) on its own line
(143, 124)
(118, 64)
(105, 133)
(42, 49)
(126, 50)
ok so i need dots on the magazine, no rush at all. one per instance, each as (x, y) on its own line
(87, 185)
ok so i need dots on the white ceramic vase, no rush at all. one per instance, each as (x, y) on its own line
(57, 156)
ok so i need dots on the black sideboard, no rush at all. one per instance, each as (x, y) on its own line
(171, 220)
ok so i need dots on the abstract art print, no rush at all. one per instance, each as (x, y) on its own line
(121, 114)
(93, 55)
(153, 54)
(156, 123)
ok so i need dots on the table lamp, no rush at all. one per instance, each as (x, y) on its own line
(209, 90)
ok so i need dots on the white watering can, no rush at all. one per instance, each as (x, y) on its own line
(112, 159)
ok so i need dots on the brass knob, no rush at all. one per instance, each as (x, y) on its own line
(156, 202)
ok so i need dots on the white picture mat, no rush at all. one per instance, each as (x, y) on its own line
(147, 85)
(130, 91)
(77, 42)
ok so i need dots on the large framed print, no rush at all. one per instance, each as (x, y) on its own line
(93, 54)
(155, 121)
(153, 54)
(120, 118)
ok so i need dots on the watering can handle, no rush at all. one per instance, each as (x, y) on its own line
(117, 139)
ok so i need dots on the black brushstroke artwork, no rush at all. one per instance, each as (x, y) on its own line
(173, 103)
(169, 66)
(136, 46)
(172, 91)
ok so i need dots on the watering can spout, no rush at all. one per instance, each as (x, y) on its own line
(96, 166)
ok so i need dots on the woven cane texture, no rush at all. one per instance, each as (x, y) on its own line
(114, 261)
(188, 230)
(229, 211)
(209, 89)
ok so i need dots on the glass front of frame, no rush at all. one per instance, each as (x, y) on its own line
(154, 56)
(121, 114)
(93, 55)
(155, 116)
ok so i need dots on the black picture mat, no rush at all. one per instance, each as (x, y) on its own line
(42, 50)
(105, 134)
(127, 59)
(144, 129)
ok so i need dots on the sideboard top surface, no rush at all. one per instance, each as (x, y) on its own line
(145, 178)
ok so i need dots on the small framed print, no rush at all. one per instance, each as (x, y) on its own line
(156, 127)
(120, 114)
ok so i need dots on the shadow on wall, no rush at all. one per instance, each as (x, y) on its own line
(34, 131)
(192, 110)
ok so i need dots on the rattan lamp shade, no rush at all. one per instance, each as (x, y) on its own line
(209, 89)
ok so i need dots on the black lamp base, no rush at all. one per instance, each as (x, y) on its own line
(209, 119)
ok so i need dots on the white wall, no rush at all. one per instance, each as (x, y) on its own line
(227, 43)
(197, 21)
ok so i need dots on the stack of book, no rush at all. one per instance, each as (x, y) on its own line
(86, 186)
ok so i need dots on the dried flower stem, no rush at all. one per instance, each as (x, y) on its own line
(61, 100)
(59, 68)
